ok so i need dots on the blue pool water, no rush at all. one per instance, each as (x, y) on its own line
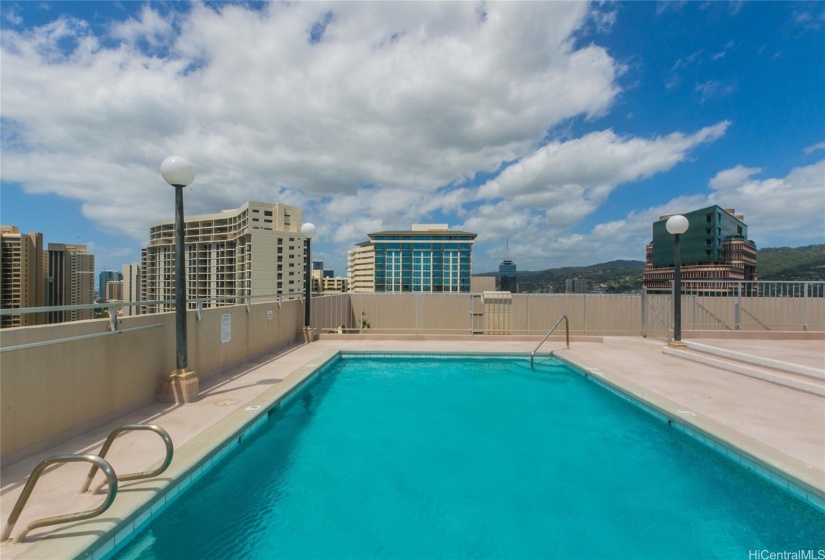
(435, 458)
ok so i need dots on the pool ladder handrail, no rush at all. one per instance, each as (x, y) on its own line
(566, 332)
(132, 476)
(98, 462)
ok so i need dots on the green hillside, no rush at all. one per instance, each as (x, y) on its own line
(785, 263)
(774, 264)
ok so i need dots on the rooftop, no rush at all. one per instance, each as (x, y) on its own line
(776, 425)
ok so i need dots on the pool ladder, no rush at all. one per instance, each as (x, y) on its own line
(98, 463)
(566, 332)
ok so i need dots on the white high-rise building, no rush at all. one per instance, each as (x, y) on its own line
(254, 250)
(131, 287)
(361, 267)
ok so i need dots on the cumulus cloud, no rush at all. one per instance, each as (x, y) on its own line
(369, 116)
(571, 179)
(372, 114)
(783, 206)
(779, 209)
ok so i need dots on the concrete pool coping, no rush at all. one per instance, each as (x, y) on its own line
(200, 429)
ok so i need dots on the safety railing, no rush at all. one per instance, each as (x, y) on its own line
(543, 340)
(115, 320)
(132, 476)
(98, 463)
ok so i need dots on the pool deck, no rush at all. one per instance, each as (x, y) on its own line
(776, 425)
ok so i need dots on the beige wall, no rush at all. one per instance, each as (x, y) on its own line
(589, 314)
(50, 391)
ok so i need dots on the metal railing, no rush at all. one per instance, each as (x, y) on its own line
(115, 319)
(98, 462)
(705, 306)
(167, 441)
(543, 340)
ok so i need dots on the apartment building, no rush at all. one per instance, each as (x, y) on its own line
(131, 287)
(114, 290)
(254, 250)
(104, 278)
(22, 276)
(361, 267)
(714, 247)
(71, 281)
(428, 258)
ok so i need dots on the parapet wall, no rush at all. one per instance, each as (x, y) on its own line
(53, 391)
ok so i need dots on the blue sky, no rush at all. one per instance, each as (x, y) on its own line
(566, 128)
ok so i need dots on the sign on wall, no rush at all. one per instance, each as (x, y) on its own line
(226, 328)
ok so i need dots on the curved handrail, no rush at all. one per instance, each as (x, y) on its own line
(99, 463)
(139, 475)
(566, 331)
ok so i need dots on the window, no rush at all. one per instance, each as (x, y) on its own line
(267, 212)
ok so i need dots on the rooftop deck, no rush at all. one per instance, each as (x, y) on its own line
(780, 426)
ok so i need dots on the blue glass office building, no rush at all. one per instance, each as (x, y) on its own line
(435, 260)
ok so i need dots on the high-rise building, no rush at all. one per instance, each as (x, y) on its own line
(714, 247)
(22, 276)
(507, 275)
(114, 290)
(131, 287)
(254, 250)
(71, 281)
(361, 267)
(105, 277)
(576, 286)
(428, 258)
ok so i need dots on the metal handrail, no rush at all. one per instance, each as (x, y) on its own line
(132, 476)
(566, 331)
(76, 338)
(99, 463)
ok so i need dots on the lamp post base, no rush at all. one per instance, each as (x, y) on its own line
(309, 334)
(676, 344)
(180, 387)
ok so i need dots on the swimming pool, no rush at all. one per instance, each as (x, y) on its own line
(441, 457)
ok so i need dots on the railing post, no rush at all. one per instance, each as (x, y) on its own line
(805, 316)
(737, 310)
(472, 312)
(644, 311)
(528, 313)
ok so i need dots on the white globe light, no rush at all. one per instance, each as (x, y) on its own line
(308, 230)
(177, 171)
(677, 224)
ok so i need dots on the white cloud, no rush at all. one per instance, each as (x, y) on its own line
(370, 122)
(571, 179)
(790, 206)
(815, 147)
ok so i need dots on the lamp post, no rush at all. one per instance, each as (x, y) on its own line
(182, 385)
(308, 230)
(676, 226)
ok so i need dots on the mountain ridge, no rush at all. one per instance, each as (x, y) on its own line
(621, 276)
